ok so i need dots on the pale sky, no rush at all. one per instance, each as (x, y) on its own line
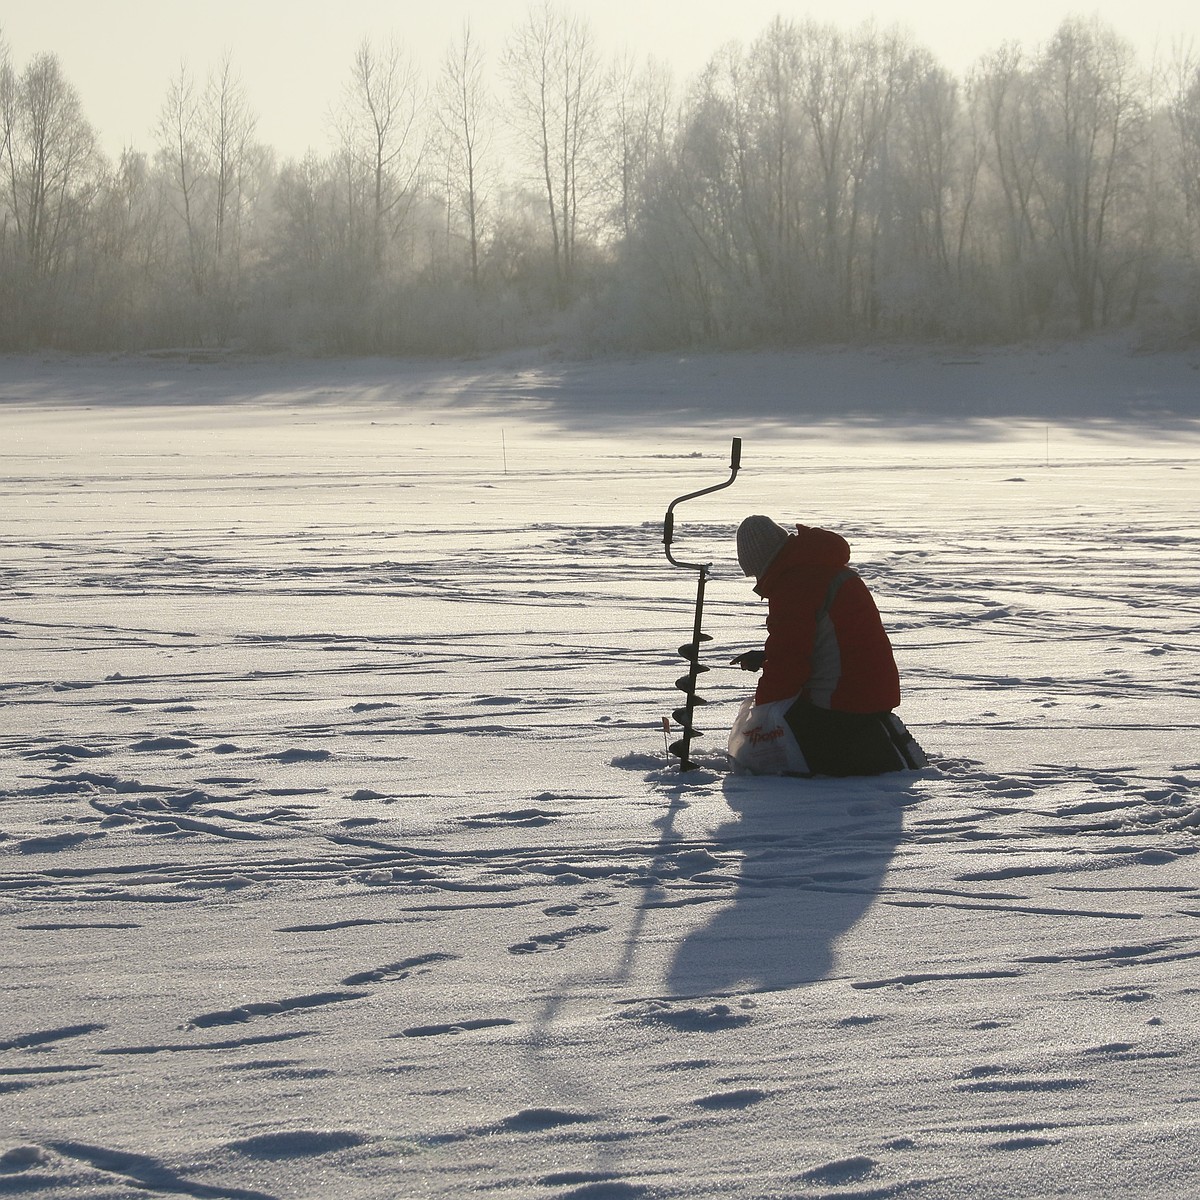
(294, 55)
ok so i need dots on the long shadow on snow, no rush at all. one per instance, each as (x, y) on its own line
(813, 855)
(912, 393)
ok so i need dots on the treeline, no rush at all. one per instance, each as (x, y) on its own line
(819, 184)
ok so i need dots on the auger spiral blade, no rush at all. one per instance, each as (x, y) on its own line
(687, 683)
(691, 650)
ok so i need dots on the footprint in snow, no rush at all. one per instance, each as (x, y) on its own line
(535, 1120)
(21, 1158)
(687, 1018)
(43, 1037)
(64, 754)
(297, 755)
(576, 1178)
(595, 1185)
(393, 972)
(51, 845)
(521, 817)
(932, 977)
(297, 1143)
(270, 1008)
(841, 1171)
(590, 900)
(208, 1047)
(163, 743)
(555, 941)
(1024, 1143)
(1023, 1085)
(466, 1025)
(741, 1098)
(62, 925)
(562, 910)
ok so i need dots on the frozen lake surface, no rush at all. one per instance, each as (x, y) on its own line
(338, 851)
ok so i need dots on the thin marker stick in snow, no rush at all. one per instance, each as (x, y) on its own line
(504, 452)
(666, 737)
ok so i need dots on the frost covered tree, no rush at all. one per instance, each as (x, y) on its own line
(556, 81)
(229, 127)
(1089, 120)
(316, 259)
(809, 177)
(181, 154)
(933, 178)
(1066, 133)
(1010, 240)
(131, 254)
(50, 161)
(382, 144)
(465, 120)
(638, 127)
(818, 183)
(1176, 197)
(51, 173)
(215, 170)
(1183, 115)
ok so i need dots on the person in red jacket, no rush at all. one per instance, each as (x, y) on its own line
(827, 648)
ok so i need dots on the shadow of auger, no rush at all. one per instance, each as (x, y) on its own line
(690, 651)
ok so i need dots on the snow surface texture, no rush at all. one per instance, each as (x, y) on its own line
(339, 856)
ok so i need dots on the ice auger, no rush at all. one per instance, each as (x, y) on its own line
(691, 650)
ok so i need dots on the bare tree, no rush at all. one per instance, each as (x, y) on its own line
(698, 221)
(381, 140)
(465, 120)
(207, 147)
(826, 101)
(1011, 238)
(50, 162)
(778, 147)
(929, 164)
(1183, 113)
(181, 152)
(554, 73)
(229, 128)
(1089, 111)
(638, 129)
(8, 86)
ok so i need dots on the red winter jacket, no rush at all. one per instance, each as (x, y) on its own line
(840, 660)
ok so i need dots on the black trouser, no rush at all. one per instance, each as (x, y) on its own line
(843, 743)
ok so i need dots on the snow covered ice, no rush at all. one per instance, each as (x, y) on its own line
(339, 855)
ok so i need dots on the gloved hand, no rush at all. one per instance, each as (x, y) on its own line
(751, 660)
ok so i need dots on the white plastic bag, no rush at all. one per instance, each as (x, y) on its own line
(761, 741)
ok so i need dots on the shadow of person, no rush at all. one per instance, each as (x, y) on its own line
(813, 854)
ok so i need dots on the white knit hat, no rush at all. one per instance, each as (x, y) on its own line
(759, 539)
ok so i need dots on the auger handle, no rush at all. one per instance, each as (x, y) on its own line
(735, 462)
